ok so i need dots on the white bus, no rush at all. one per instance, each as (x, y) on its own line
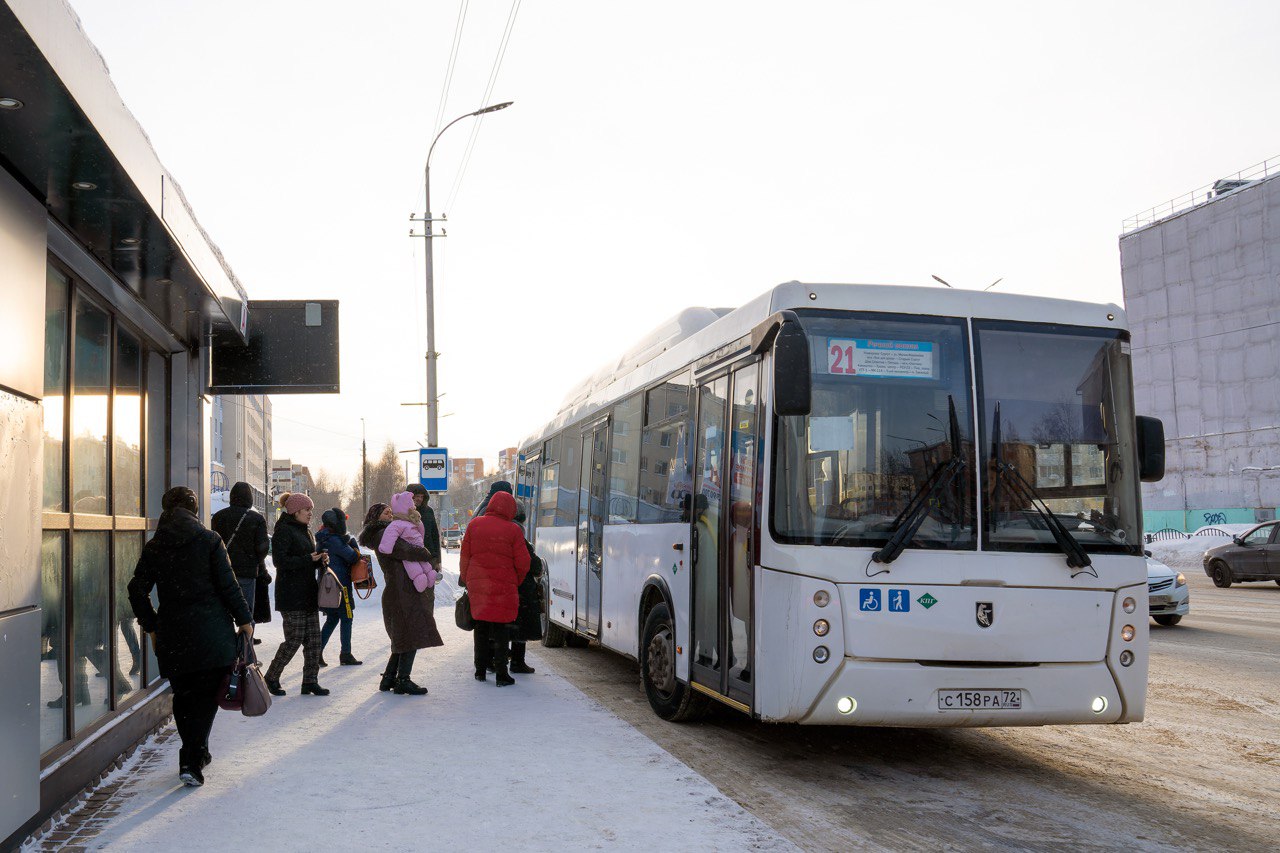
(859, 504)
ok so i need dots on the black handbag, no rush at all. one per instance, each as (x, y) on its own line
(462, 612)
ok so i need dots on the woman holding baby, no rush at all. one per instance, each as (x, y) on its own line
(396, 534)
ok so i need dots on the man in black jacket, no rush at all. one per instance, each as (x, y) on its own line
(244, 532)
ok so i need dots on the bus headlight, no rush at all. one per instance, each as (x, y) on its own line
(1126, 658)
(846, 705)
(821, 654)
(822, 598)
(1127, 633)
(1129, 605)
(821, 627)
(1099, 704)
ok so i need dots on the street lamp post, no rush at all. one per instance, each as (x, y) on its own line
(432, 401)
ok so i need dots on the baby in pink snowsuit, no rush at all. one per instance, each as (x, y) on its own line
(408, 526)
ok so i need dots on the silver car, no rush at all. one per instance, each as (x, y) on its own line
(1167, 593)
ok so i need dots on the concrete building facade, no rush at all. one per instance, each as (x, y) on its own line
(242, 443)
(1202, 293)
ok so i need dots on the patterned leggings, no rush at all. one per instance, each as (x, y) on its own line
(300, 629)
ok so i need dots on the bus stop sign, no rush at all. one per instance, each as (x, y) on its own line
(433, 468)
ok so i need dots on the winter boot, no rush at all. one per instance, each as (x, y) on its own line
(406, 687)
(518, 666)
(273, 686)
(191, 776)
(388, 681)
(348, 659)
(500, 652)
(323, 662)
(313, 688)
(480, 673)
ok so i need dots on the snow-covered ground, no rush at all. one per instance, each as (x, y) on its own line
(536, 766)
(1185, 555)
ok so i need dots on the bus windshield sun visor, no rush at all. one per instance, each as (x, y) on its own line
(792, 381)
(1007, 474)
(917, 510)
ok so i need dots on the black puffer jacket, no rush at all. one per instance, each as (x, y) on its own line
(529, 618)
(200, 601)
(297, 575)
(246, 539)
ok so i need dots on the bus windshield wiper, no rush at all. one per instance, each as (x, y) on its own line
(1077, 557)
(917, 509)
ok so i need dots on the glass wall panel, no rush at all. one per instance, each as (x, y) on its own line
(92, 387)
(126, 424)
(53, 658)
(624, 465)
(55, 390)
(91, 635)
(743, 453)
(709, 471)
(157, 459)
(128, 646)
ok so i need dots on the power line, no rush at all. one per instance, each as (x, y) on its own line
(453, 61)
(484, 101)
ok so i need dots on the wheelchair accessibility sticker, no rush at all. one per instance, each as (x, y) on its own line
(869, 599)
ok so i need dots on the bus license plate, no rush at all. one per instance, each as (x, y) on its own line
(979, 700)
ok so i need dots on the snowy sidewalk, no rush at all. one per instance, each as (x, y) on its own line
(536, 766)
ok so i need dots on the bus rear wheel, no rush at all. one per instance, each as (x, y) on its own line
(670, 699)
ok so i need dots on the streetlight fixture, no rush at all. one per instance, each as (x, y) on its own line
(432, 397)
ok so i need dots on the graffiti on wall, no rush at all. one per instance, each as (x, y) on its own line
(1215, 518)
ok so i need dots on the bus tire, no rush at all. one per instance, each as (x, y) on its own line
(576, 641)
(553, 637)
(670, 699)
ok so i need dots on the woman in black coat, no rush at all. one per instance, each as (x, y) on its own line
(298, 565)
(192, 632)
(529, 619)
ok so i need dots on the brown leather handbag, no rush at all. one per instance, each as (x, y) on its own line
(362, 579)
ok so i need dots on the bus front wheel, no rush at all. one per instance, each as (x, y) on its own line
(669, 698)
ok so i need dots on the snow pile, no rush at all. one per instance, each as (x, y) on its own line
(536, 766)
(1185, 555)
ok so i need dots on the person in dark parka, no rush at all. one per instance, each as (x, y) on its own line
(343, 551)
(192, 632)
(494, 488)
(244, 532)
(409, 615)
(298, 565)
(529, 618)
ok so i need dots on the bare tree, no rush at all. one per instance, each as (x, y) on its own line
(327, 493)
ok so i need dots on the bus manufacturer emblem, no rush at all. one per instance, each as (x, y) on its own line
(986, 614)
(926, 601)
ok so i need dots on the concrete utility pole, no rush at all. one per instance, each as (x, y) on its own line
(364, 469)
(432, 402)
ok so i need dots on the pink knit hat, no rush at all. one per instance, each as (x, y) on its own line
(297, 501)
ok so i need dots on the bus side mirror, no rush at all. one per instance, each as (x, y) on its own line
(791, 376)
(792, 382)
(1150, 449)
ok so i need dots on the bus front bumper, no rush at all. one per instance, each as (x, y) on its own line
(905, 693)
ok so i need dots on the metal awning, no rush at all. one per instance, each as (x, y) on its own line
(75, 146)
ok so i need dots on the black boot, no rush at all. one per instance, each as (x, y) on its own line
(323, 662)
(273, 686)
(388, 681)
(518, 666)
(348, 659)
(480, 673)
(313, 688)
(406, 687)
(500, 652)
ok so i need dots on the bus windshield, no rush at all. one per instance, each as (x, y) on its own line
(1057, 437)
(876, 450)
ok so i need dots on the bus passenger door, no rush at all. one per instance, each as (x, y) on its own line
(724, 533)
(591, 507)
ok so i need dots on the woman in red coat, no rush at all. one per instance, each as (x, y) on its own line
(494, 561)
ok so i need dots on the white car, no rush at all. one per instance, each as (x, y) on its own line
(1168, 597)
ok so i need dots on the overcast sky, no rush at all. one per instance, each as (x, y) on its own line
(661, 155)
